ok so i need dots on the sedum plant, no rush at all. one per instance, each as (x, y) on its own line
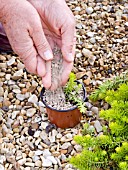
(110, 150)
(100, 93)
(72, 91)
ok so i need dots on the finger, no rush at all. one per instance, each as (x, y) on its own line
(68, 32)
(41, 71)
(41, 43)
(46, 80)
(67, 67)
(26, 51)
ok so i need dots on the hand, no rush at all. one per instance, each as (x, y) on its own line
(59, 27)
(24, 30)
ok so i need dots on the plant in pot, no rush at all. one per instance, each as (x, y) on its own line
(65, 105)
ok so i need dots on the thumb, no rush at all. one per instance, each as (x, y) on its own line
(42, 46)
(68, 34)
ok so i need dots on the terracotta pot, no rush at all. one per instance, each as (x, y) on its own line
(64, 118)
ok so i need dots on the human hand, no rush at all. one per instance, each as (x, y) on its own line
(59, 27)
(24, 30)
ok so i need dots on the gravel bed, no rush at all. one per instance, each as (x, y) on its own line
(27, 139)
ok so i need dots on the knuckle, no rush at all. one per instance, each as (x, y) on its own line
(42, 45)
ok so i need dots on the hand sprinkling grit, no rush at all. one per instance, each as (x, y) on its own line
(56, 98)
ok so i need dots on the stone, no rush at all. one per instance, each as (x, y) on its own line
(1, 167)
(46, 163)
(20, 97)
(98, 126)
(14, 114)
(17, 91)
(87, 81)
(17, 75)
(90, 34)
(3, 65)
(22, 161)
(20, 66)
(44, 125)
(79, 75)
(95, 110)
(33, 99)
(66, 145)
(89, 10)
(34, 126)
(31, 112)
(78, 148)
(38, 152)
(1, 91)
(87, 53)
(52, 159)
(11, 61)
(2, 74)
(29, 164)
(37, 134)
(46, 153)
(91, 60)
(38, 163)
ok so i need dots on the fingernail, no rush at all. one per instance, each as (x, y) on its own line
(70, 57)
(48, 55)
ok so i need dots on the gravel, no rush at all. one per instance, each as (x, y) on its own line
(27, 139)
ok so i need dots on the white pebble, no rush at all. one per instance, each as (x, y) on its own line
(52, 159)
(47, 163)
(31, 112)
(38, 152)
(89, 10)
(11, 61)
(33, 99)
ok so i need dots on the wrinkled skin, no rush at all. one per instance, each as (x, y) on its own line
(33, 31)
(59, 27)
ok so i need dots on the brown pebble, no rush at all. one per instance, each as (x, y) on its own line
(6, 103)
(24, 90)
(87, 81)
(11, 95)
(34, 126)
(63, 151)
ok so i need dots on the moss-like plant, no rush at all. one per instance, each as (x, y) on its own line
(100, 93)
(72, 91)
(110, 150)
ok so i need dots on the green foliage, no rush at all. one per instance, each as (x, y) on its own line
(72, 90)
(100, 93)
(111, 148)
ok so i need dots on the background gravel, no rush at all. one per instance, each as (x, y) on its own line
(27, 140)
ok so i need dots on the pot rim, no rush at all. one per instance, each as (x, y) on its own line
(65, 110)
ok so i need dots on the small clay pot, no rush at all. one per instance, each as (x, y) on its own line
(64, 118)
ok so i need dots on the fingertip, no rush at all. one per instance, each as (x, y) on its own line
(48, 55)
(46, 83)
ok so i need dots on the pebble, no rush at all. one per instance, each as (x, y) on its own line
(11, 61)
(87, 53)
(1, 91)
(95, 110)
(31, 112)
(1, 167)
(38, 163)
(78, 148)
(98, 126)
(52, 159)
(46, 163)
(33, 99)
(89, 10)
(20, 97)
(22, 161)
(101, 53)
(46, 153)
(65, 145)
